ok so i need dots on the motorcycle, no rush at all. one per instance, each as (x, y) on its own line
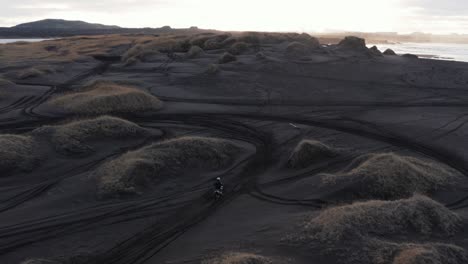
(218, 193)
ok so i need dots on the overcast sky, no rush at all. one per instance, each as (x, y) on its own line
(436, 16)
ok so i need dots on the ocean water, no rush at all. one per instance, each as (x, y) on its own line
(438, 51)
(3, 41)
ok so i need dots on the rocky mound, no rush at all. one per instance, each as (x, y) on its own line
(106, 98)
(239, 258)
(133, 171)
(308, 152)
(18, 153)
(419, 215)
(297, 49)
(389, 176)
(351, 43)
(375, 51)
(226, 58)
(238, 48)
(75, 137)
(410, 56)
(389, 52)
(215, 42)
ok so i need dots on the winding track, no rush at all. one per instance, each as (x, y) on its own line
(188, 207)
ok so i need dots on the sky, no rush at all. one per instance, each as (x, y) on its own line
(404, 16)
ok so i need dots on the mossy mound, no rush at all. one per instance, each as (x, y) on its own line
(356, 222)
(226, 58)
(240, 258)
(308, 152)
(106, 98)
(76, 137)
(389, 176)
(133, 171)
(18, 153)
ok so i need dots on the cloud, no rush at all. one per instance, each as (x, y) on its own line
(440, 7)
(292, 15)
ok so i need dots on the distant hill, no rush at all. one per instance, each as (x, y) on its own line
(57, 28)
(62, 24)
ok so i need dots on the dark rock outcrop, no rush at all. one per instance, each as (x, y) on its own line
(389, 52)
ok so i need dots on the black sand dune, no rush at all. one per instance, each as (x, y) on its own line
(329, 154)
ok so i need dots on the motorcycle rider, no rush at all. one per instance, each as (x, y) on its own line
(218, 185)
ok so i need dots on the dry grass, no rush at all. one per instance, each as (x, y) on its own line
(106, 98)
(256, 38)
(74, 137)
(18, 153)
(419, 215)
(238, 48)
(35, 72)
(194, 52)
(140, 52)
(390, 176)
(434, 253)
(147, 50)
(66, 49)
(307, 152)
(209, 41)
(375, 250)
(239, 258)
(133, 171)
(354, 234)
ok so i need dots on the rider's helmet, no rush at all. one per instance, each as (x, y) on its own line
(218, 179)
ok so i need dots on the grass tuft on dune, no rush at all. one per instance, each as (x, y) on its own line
(239, 258)
(74, 137)
(238, 48)
(390, 176)
(297, 49)
(194, 52)
(307, 152)
(133, 171)
(363, 232)
(35, 72)
(226, 58)
(418, 214)
(432, 253)
(106, 98)
(378, 250)
(18, 153)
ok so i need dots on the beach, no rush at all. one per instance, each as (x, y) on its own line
(328, 153)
